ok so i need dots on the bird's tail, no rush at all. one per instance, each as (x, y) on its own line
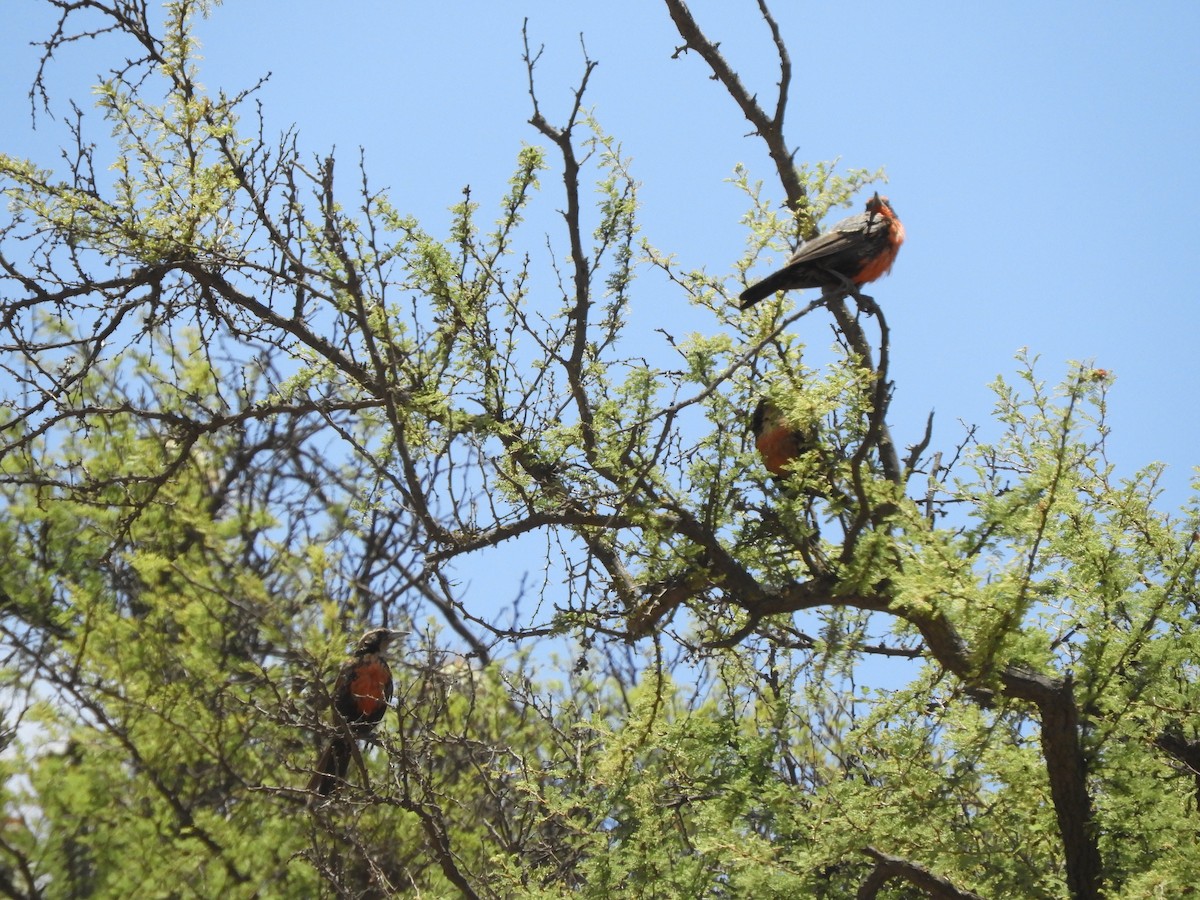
(763, 289)
(331, 767)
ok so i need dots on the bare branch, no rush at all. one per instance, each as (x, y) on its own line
(888, 867)
(768, 127)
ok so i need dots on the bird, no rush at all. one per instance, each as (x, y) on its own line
(360, 696)
(856, 250)
(777, 442)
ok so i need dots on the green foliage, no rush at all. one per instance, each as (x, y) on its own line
(253, 412)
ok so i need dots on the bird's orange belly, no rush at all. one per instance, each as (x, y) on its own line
(369, 688)
(878, 266)
(777, 447)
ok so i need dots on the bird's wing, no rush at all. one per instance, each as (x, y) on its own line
(343, 699)
(845, 234)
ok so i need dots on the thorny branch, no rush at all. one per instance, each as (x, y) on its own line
(768, 127)
(239, 298)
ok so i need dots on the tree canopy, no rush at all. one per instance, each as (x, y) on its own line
(252, 408)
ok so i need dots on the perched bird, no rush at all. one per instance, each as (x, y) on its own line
(778, 443)
(858, 250)
(360, 696)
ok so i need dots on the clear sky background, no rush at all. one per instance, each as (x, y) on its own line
(1041, 155)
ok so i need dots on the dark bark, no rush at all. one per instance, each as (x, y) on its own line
(888, 867)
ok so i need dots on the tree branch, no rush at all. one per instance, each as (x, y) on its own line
(888, 867)
(769, 128)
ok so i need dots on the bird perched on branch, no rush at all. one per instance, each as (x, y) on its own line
(856, 250)
(360, 697)
(778, 442)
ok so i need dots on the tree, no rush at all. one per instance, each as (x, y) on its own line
(243, 423)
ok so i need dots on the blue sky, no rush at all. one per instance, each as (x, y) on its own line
(1041, 156)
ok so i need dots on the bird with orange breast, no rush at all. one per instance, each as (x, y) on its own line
(778, 442)
(855, 251)
(360, 697)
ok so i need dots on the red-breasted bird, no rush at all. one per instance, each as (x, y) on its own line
(857, 249)
(360, 696)
(778, 442)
